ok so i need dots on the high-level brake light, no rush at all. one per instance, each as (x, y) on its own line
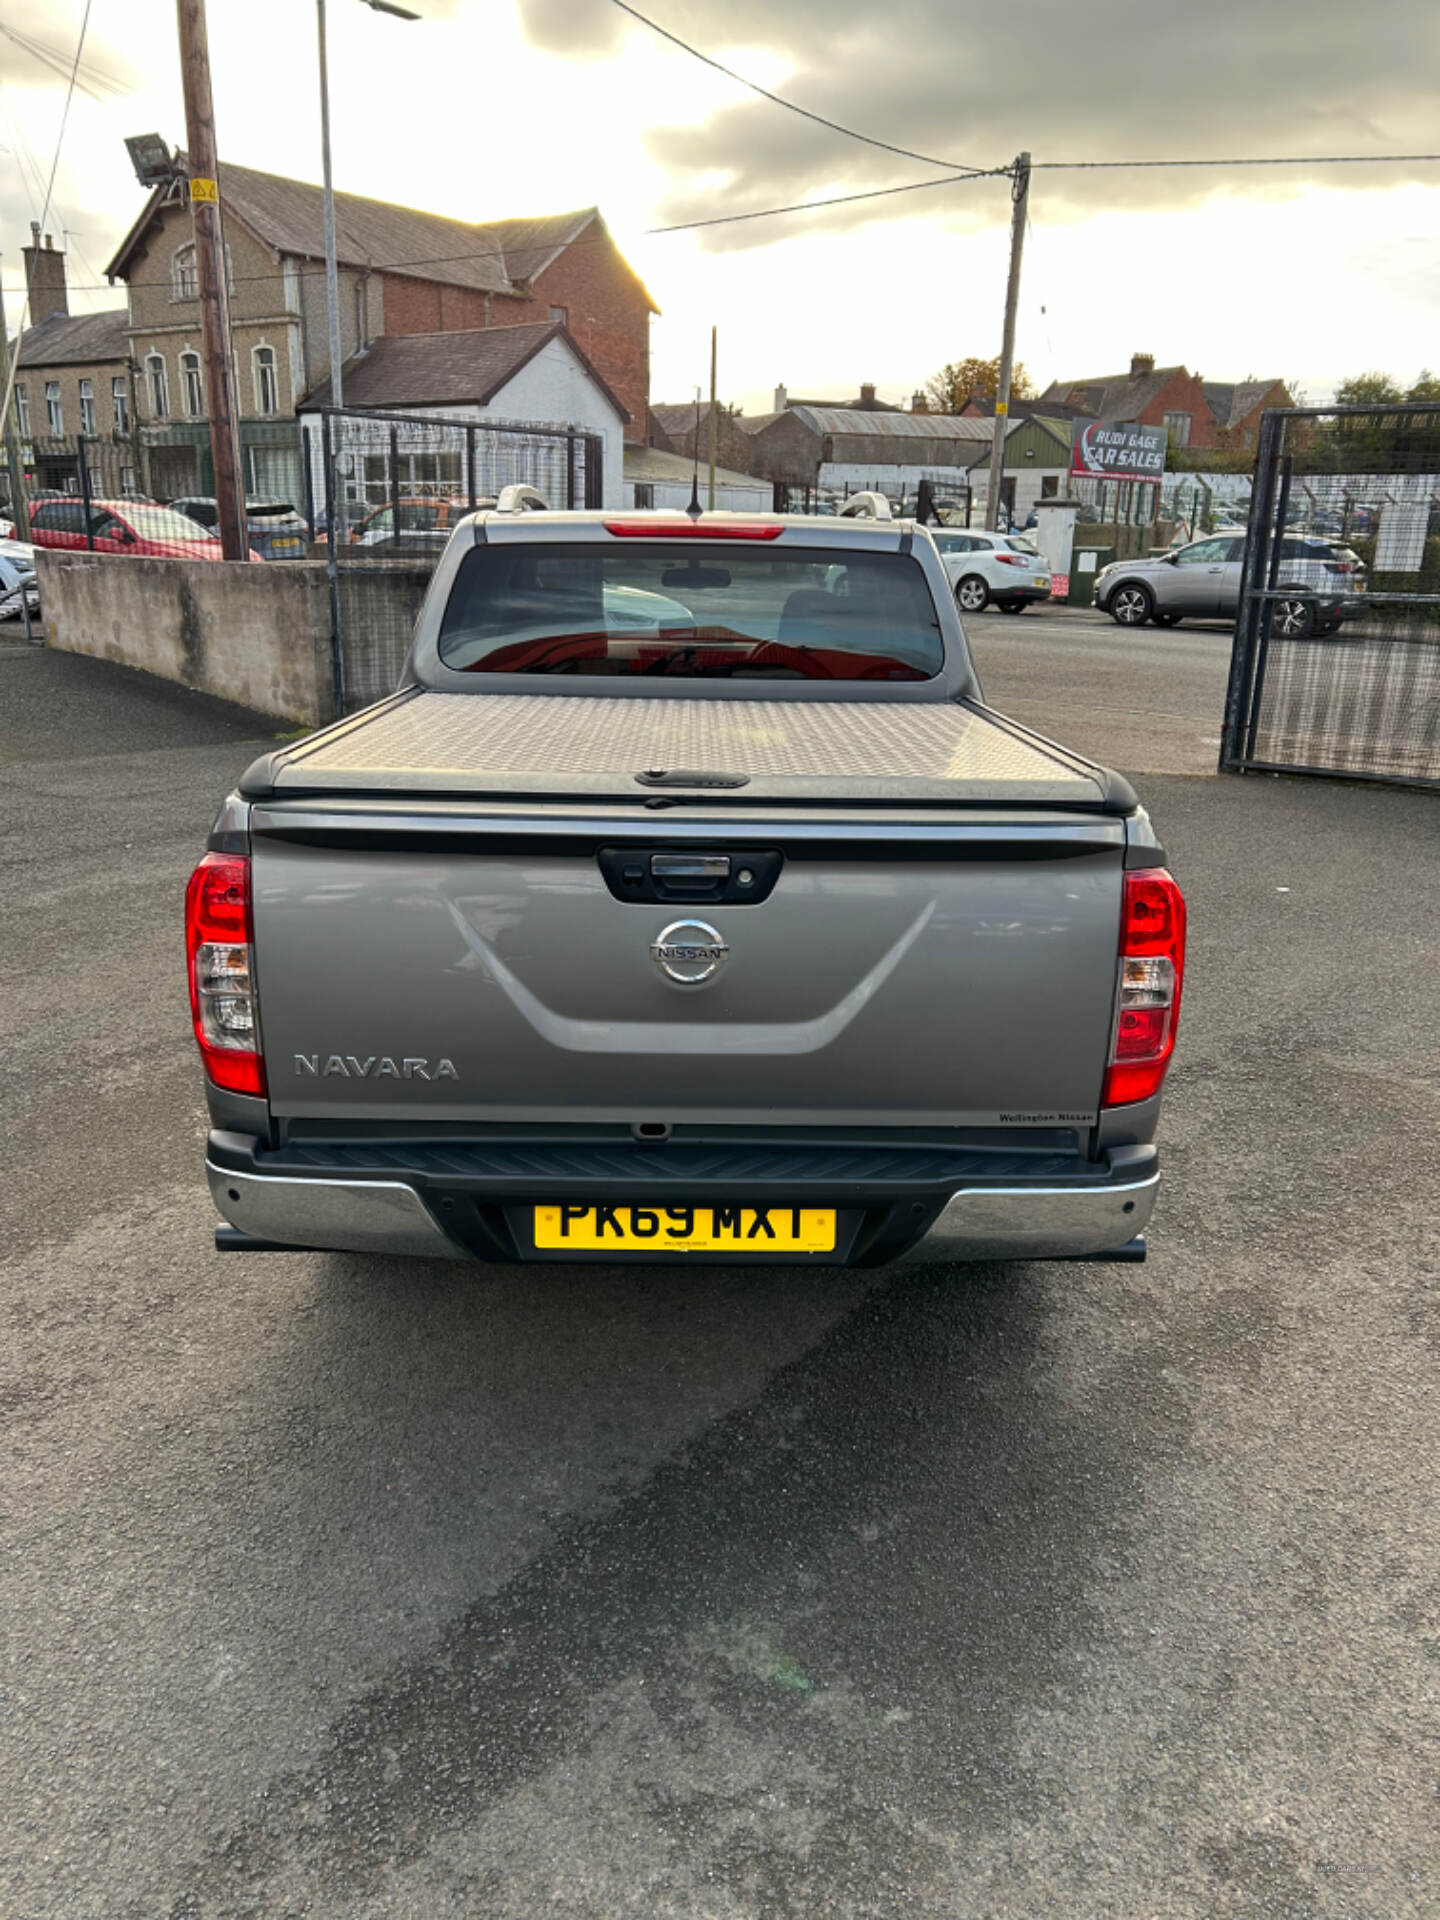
(1152, 968)
(686, 529)
(221, 964)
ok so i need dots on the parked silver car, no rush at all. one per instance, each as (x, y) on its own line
(1202, 582)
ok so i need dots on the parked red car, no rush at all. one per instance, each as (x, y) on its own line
(124, 526)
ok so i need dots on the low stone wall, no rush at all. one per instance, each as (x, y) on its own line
(257, 633)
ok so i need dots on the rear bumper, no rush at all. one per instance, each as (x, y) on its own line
(473, 1202)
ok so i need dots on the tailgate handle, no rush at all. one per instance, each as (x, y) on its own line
(690, 872)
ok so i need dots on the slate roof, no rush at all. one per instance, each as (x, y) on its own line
(76, 339)
(680, 416)
(1114, 396)
(491, 256)
(891, 426)
(1230, 403)
(466, 368)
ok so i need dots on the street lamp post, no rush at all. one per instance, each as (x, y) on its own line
(332, 270)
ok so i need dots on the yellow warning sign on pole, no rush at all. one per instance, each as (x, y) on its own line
(205, 190)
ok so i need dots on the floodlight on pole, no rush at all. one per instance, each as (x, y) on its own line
(332, 269)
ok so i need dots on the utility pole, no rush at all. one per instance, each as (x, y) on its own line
(210, 271)
(14, 453)
(332, 270)
(1019, 204)
(712, 419)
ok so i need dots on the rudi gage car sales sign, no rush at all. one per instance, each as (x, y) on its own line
(1103, 450)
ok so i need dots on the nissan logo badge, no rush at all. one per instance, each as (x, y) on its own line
(689, 952)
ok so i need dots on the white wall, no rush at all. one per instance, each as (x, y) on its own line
(554, 388)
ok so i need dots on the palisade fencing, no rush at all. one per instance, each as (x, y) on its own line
(383, 491)
(1326, 679)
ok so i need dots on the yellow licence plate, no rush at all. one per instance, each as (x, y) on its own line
(685, 1229)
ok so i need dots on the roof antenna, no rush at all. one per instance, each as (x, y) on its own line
(694, 508)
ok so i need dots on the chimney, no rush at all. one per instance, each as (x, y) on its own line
(867, 398)
(918, 403)
(782, 400)
(44, 277)
(1141, 363)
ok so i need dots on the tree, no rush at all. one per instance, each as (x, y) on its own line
(954, 384)
(1368, 390)
(1426, 387)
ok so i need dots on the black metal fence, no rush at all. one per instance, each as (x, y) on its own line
(382, 493)
(1336, 664)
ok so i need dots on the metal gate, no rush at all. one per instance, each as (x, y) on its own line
(383, 491)
(1336, 664)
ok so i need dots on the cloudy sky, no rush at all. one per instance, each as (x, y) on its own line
(490, 107)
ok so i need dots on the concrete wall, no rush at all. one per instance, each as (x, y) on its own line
(246, 631)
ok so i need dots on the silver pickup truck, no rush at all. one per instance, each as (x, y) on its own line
(685, 901)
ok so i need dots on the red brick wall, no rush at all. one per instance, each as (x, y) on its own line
(1246, 432)
(609, 317)
(424, 306)
(1183, 393)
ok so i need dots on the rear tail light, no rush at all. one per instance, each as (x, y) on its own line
(1152, 968)
(1338, 566)
(221, 955)
(1014, 559)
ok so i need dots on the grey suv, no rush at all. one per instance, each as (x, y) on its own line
(1202, 582)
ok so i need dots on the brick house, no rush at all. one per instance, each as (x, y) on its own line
(72, 374)
(1236, 409)
(1150, 396)
(401, 271)
(1199, 413)
(683, 428)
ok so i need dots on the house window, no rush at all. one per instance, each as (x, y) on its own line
(1179, 427)
(159, 390)
(644, 495)
(22, 411)
(267, 390)
(87, 406)
(54, 412)
(559, 316)
(192, 384)
(184, 275)
(120, 400)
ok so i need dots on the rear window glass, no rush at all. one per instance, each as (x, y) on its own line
(1022, 546)
(703, 611)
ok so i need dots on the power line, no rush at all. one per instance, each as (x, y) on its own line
(907, 153)
(846, 199)
(58, 61)
(1272, 160)
(840, 200)
(15, 479)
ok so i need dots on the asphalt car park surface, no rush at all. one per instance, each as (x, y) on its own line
(1148, 699)
(343, 1587)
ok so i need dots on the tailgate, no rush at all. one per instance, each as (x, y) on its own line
(433, 965)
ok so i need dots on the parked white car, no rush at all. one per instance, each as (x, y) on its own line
(17, 579)
(1001, 567)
